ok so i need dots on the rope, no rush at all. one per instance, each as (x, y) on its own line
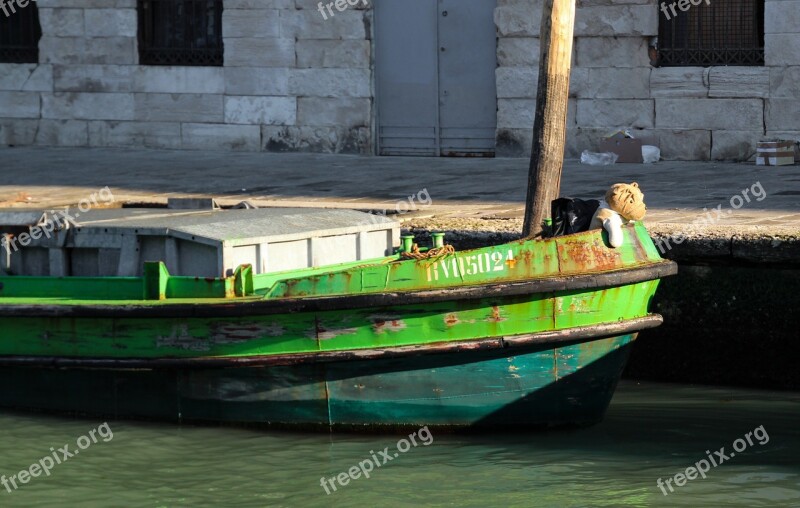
(432, 253)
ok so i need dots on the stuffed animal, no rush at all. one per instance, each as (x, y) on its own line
(623, 202)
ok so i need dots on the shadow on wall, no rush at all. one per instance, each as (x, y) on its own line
(723, 325)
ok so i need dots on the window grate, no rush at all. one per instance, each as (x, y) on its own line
(20, 32)
(180, 32)
(716, 33)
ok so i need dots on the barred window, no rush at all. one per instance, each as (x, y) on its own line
(20, 32)
(180, 32)
(706, 33)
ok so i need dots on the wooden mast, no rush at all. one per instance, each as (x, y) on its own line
(549, 126)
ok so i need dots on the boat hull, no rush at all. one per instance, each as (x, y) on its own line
(521, 387)
(526, 334)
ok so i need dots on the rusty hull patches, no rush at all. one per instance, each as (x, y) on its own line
(550, 337)
(580, 256)
(323, 334)
(382, 323)
(227, 332)
(640, 273)
(220, 333)
(496, 316)
(319, 332)
(180, 338)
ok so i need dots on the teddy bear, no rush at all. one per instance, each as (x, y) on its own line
(623, 202)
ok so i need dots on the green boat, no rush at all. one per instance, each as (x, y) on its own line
(527, 334)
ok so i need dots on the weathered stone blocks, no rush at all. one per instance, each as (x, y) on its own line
(61, 22)
(178, 107)
(26, 77)
(88, 106)
(18, 131)
(256, 81)
(260, 52)
(611, 52)
(513, 142)
(294, 81)
(348, 53)
(781, 17)
(309, 24)
(88, 4)
(110, 22)
(255, 23)
(742, 82)
(515, 113)
(513, 21)
(87, 50)
(356, 140)
(613, 83)
(611, 113)
(19, 104)
(783, 114)
(93, 78)
(724, 114)
(144, 134)
(781, 49)
(616, 20)
(206, 136)
(684, 145)
(516, 82)
(341, 112)
(678, 82)
(329, 83)
(519, 113)
(62, 133)
(785, 82)
(518, 52)
(261, 110)
(734, 145)
(169, 79)
(259, 4)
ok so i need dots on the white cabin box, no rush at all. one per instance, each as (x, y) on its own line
(200, 243)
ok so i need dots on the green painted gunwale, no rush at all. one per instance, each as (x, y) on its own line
(562, 256)
(365, 327)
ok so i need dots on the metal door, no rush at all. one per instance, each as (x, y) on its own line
(435, 77)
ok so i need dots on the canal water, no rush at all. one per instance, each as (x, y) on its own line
(651, 432)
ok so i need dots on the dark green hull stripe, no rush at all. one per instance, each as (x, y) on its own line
(569, 384)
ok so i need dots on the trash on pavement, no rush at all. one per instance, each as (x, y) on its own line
(598, 159)
(650, 154)
(775, 152)
(622, 143)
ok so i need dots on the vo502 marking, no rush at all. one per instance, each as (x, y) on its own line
(471, 265)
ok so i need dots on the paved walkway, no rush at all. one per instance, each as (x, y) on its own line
(477, 194)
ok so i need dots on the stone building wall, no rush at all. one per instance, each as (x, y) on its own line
(290, 81)
(693, 113)
(293, 81)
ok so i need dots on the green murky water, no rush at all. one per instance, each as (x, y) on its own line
(651, 431)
